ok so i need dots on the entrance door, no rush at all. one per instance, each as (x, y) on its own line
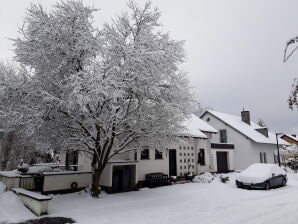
(222, 162)
(172, 162)
(122, 179)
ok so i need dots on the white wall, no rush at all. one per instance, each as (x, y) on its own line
(152, 165)
(61, 181)
(243, 152)
(246, 151)
(269, 149)
(230, 155)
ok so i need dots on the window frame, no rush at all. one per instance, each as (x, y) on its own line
(223, 138)
(201, 157)
(145, 156)
(158, 154)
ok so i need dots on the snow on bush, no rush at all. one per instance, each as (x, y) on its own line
(39, 169)
(203, 178)
(23, 167)
(224, 178)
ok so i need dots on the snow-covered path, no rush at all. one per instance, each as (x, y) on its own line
(185, 203)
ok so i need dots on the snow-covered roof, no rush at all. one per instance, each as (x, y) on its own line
(194, 127)
(246, 129)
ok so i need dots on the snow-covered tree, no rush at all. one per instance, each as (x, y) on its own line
(293, 98)
(108, 92)
(261, 122)
(14, 118)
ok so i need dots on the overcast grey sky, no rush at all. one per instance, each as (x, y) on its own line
(234, 50)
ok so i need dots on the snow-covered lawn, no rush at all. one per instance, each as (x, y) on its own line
(182, 203)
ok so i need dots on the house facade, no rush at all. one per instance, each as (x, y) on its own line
(190, 154)
(251, 142)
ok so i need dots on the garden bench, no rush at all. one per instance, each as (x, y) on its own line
(157, 179)
(37, 203)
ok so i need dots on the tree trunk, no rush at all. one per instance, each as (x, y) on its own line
(6, 150)
(95, 191)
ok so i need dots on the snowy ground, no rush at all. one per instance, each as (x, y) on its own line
(184, 203)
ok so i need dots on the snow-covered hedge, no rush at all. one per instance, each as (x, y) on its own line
(203, 178)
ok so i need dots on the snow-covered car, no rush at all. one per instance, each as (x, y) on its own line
(262, 176)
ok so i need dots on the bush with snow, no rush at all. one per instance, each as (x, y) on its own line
(203, 178)
(39, 169)
(23, 167)
(224, 178)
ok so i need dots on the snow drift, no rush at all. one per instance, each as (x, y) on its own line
(11, 207)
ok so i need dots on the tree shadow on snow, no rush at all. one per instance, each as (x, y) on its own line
(48, 220)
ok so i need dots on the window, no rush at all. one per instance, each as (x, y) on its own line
(201, 157)
(180, 147)
(136, 156)
(187, 147)
(192, 154)
(145, 153)
(275, 158)
(188, 154)
(158, 154)
(181, 168)
(184, 147)
(192, 160)
(71, 160)
(184, 154)
(180, 154)
(263, 157)
(180, 160)
(184, 167)
(223, 136)
(184, 160)
(191, 147)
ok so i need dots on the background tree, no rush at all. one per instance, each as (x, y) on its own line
(261, 122)
(293, 98)
(16, 144)
(104, 93)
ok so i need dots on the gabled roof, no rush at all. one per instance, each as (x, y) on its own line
(194, 127)
(248, 130)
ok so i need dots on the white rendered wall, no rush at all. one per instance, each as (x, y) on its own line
(269, 149)
(152, 165)
(230, 155)
(244, 152)
(63, 181)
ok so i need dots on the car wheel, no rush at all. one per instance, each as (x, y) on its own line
(267, 186)
(284, 182)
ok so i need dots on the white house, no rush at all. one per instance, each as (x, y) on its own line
(189, 155)
(252, 143)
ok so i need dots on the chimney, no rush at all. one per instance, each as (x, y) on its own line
(294, 135)
(245, 116)
(263, 131)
